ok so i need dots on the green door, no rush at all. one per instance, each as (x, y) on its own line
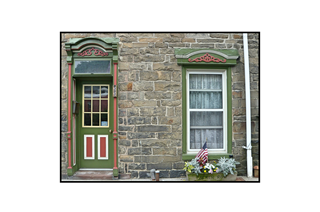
(95, 124)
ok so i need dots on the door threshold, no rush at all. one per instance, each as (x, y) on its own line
(95, 169)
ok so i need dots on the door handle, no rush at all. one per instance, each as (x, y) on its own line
(110, 131)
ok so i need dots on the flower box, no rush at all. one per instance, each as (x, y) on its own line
(211, 177)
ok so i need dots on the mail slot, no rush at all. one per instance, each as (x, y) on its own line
(75, 107)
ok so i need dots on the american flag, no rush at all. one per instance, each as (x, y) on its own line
(203, 153)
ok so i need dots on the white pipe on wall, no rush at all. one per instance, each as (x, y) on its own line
(248, 104)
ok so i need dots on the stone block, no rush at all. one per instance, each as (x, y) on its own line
(153, 111)
(153, 128)
(170, 111)
(139, 120)
(124, 142)
(175, 120)
(127, 58)
(237, 94)
(188, 40)
(139, 45)
(157, 95)
(123, 121)
(238, 86)
(64, 126)
(149, 58)
(125, 128)
(154, 143)
(145, 51)
(136, 166)
(134, 174)
(139, 151)
(128, 39)
(174, 45)
(144, 174)
(178, 111)
(161, 35)
(202, 45)
(157, 159)
(237, 36)
(178, 165)
(164, 174)
(142, 86)
(219, 35)
(144, 103)
(171, 102)
(166, 67)
(239, 126)
(164, 151)
(155, 39)
(125, 86)
(139, 135)
(173, 135)
(123, 66)
(129, 51)
(142, 35)
(133, 112)
(177, 173)
(138, 66)
(133, 95)
(166, 51)
(197, 35)
(160, 166)
(176, 76)
(167, 86)
(153, 76)
(125, 104)
(212, 40)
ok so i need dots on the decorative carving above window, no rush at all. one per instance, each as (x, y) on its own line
(88, 52)
(207, 58)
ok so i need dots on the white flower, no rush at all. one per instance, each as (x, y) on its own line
(209, 166)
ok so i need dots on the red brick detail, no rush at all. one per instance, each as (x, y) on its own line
(89, 147)
(103, 147)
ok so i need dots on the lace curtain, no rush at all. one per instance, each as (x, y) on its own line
(205, 93)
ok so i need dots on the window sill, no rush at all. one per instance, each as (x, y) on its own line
(210, 156)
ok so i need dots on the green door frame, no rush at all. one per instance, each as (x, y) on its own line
(91, 48)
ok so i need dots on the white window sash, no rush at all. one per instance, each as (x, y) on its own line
(224, 108)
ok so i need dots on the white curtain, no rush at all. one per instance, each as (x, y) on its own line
(206, 93)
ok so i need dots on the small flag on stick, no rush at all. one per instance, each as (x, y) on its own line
(203, 153)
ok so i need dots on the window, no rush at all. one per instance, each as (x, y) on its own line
(206, 110)
(206, 100)
(95, 105)
(92, 66)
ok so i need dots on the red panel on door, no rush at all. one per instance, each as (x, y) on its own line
(103, 147)
(89, 147)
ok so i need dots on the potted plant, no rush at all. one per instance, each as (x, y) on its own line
(224, 170)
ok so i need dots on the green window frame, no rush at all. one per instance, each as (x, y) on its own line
(186, 58)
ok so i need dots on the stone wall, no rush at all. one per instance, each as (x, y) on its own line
(150, 99)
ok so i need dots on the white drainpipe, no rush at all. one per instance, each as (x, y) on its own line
(248, 105)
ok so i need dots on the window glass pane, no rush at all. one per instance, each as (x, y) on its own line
(95, 107)
(96, 92)
(87, 105)
(93, 66)
(95, 121)
(205, 100)
(87, 91)
(87, 119)
(206, 118)
(104, 91)
(205, 81)
(104, 119)
(214, 138)
(104, 105)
